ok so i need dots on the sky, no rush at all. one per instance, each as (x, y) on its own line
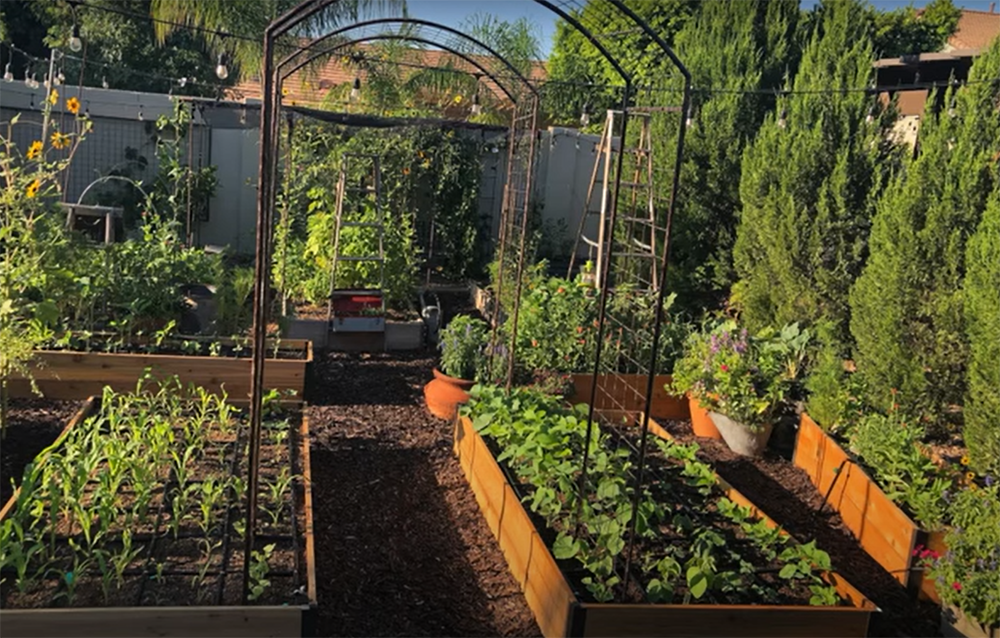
(454, 12)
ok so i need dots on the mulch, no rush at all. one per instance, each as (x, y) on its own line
(787, 495)
(401, 546)
(33, 424)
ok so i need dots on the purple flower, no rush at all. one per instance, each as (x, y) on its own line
(946, 495)
(989, 480)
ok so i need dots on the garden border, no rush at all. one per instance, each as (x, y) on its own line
(187, 621)
(616, 389)
(558, 611)
(881, 527)
(67, 374)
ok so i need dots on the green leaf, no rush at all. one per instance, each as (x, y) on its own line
(788, 571)
(697, 581)
(565, 547)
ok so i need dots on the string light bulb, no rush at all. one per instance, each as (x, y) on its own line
(585, 115)
(104, 82)
(871, 115)
(30, 82)
(59, 79)
(182, 82)
(783, 120)
(689, 120)
(8, 75)
(356, 89)
(140, 113)
(222, 69)
(75, 43)
(476, 108)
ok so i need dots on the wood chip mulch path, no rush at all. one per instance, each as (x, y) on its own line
(401, 546)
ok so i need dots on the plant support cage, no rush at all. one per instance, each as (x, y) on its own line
(654, 84)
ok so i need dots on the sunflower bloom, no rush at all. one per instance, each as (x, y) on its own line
(60, 141)
(73, 105)
(53, 97)
(965, 460)
(33, 188)
(969, 476)
(35, 149)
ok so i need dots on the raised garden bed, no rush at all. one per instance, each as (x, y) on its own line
(162, 485)
(559, 610)
(882, 529)
(68, 374)
(627, 392)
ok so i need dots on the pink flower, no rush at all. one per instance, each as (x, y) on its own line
(916, 550)
(957, 586)
(724, 368)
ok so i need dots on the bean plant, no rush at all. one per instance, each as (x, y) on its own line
(141, 470)
(691, 542)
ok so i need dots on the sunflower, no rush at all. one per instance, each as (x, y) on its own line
(35, 149)
(60, 141)
(965, 460)
(53, 97)
(969, 476)
(458, 99)
(32, 189)
(73, 105)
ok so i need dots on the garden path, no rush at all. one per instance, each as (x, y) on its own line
(401, 546)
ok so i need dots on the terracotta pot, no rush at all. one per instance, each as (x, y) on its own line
(739, 437)
(444, 394)
(701, 423)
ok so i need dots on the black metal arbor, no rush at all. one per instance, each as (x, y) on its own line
(625, 267)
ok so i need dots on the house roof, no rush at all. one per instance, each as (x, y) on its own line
(975, 30)
(310, 87)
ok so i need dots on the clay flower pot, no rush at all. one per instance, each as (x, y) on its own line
(701, 423)
(444, 394)
(739, 437)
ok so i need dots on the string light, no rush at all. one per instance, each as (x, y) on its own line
(689, 121)
(104, 82)
(75, 43)
(871, 115)
(585, 115)
(356, 89)
(221, 69)
(476, 108)
(8, 75)
(140, 113)
(783, 120)
(30, 82)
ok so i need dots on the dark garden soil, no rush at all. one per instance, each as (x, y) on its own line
(401, 546)
(32, 426)
(787, 495)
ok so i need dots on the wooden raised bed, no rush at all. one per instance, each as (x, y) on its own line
(180, 621)
(881, 527)
(560, 613)
(78, 375)
(627, 392)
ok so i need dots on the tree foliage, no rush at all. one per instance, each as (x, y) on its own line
(905, 30)
(982, 312)
(740, 45)
(907, 306)
(120, 47)
(809, 181)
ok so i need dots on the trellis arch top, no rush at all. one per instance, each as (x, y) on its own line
(591, 18)
(481, 58)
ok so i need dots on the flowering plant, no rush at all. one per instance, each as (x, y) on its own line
(967, 575)
(462, 345)
(741, 376)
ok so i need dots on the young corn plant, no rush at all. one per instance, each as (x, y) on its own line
(211, 495)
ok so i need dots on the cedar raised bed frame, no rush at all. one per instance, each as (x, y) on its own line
(881, 527)
(191, 621)
(78, 375)
(626, 391)
(560, 613)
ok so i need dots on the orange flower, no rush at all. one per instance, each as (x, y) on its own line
(406, 170)
(60, 141)
(73, 105)
(35, 149)
(534, 343)
(33, 188)
(561, 290)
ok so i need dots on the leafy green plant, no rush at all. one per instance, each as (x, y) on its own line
(889, 446)
(259, 570)
(462, 344)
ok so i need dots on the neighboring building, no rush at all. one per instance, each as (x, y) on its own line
(975, 31)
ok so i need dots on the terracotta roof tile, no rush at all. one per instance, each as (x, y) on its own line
(976, 30)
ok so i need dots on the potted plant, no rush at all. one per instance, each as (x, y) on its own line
(966, 573)
(462, 359)
(741, 379)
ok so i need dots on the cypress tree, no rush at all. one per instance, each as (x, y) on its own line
(808, 180)
(982, 314)
(907, 307)
(739, 45)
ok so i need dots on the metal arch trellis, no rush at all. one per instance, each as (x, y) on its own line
(652, 54)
